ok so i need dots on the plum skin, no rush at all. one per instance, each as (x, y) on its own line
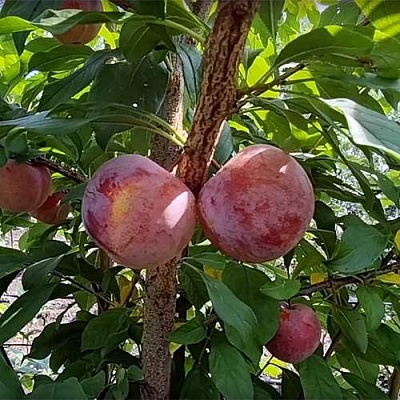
(298, 334)
(258, 206)
(23, 187)
(140, 214)
(80, 34)
(52, 211)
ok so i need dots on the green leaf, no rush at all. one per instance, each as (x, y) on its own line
(352, 325)
(342, 13)
(246, 282)
(199, 386)
(62, 90)
(67, 390)
(113, 325)
(225, 146)
(270, 12)
(383, 14)
(10, 388)
(240, 323)
(364, 369)
(94, 385)
(193, 285)
(61, 58)
(37, 273)
(229, 371)
(383, 347)
(359, 247)
(11, 260)
(281, 289)
(23, 310)
(367, 391)
(317, 380)
(14, 24)
(193, 331)
(335, 44)
(369, 128)
(373, 306)
(137, 39)
(214, 260)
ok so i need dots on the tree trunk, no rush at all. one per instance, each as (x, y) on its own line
(217, 101)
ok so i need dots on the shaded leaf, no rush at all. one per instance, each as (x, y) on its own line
(229, 371)
(67, 390)
(23, 310)
(193, 331)
(352, 325)
(366, 390)
(10, 388)
(199, 386)
(317, 380)
(373, 306)
(281, 289)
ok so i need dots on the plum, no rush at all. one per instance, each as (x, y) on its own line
(52, 211)
(80, 34)
(140, 214)
(258, 206)
(298, 334)
(23, 187)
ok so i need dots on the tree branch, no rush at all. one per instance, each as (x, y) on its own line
(74, 176)
(124, 4)
(259, 89)
(348, 280)
(219, 93)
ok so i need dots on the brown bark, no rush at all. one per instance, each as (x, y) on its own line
(161, 282)
(219, 93)
(217, 99)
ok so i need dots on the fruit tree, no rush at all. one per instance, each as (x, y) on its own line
(207, 196)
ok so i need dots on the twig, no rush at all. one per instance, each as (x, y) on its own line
(348, 280)
(80, 286)
(124, 4)
(74, 176)
(258, 89)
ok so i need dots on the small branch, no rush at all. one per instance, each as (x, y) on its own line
(124, 4)
(74, 176)
(348, 280)
(219, 95)
(80, 286)
(259, 89)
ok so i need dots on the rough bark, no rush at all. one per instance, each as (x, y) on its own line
(219, 93)
(217, 99)
(161, 282)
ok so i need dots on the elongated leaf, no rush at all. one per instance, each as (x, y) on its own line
(240, 323)
(359, 247)
(383, 14)
(62, 90)
(94, 385)
(11, 260)
(10, 388)
(193, 331)
(67, 390)
(369, 128)
(364, 369)
(23, 310)
(199, 386)
(373, 306)
(229, 371)
(14, 24)
(37, 273)
(60, 58)
(353, 326)
(367, 391)
(270, 12)
(336, 44)
(282, 289)
(317, 380)
(246, 282)
(113, 324)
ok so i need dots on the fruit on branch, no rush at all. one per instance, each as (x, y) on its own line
(80, 34)
(298, 334)
(23, 187)
(52, 211)
(136, 211)
(258, 206)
